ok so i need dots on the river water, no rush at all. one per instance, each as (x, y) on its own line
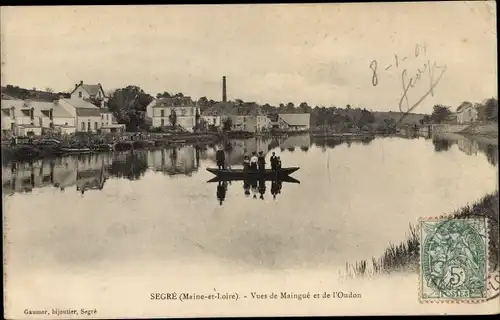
(133, 223)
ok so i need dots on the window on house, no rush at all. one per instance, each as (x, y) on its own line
(88, 126)
(162, 113)
(96, 125)
(162, 122)
(83, 126)
(80, 94)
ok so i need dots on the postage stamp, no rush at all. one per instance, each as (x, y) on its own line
(454, 260)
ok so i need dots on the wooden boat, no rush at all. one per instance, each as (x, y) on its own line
(286, 179)
(244, 174)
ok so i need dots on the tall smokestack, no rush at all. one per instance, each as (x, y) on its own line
(224, 93)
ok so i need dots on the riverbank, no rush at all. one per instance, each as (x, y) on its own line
(488, 129)
(49, 147)
(405, 257)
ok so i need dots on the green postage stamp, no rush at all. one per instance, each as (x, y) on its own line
(453, 260)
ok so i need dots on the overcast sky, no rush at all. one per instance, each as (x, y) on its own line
(270, 53)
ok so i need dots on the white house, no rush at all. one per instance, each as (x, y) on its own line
(87, 116)
(466, 113)
(181, 111)
(94, 94)
(23, 116)
(294, 121)
(90, 92)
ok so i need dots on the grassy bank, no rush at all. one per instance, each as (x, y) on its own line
(405, 256)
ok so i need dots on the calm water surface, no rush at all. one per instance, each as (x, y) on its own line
(154, 210)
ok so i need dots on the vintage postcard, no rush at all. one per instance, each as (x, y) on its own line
(250, 160)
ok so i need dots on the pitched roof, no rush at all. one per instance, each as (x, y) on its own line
(92, 89)
(172, 102)
(88, 112)
(81, 104)
(296, 119)
(84, 108)
(40, 106)
(231, 108)
(464, 105)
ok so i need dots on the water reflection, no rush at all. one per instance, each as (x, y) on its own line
(332, 142)
(471, 146)
(252, 188)
(91, 172)
(130, 165)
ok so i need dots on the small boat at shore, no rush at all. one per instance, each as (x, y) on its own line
(75, 150)
(245, 174)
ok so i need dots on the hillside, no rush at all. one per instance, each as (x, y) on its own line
(411, 118)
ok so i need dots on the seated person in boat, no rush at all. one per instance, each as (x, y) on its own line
(278, 163)
(261, 161)
(274, 161)
(253, 161)
(246, 162)
(220, 156)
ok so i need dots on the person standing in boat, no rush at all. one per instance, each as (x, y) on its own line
(221, 159)
(278, 163)
(261, 161)
(274, 161)
(253, 161)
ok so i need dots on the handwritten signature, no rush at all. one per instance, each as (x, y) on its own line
(410, 82)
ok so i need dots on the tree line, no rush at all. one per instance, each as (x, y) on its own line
(129, 104)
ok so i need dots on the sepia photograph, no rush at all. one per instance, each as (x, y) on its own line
(234, 160)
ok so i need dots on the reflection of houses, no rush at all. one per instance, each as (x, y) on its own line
(301, 141)
(86, 172)
(466, 113)
(181, 111)
(294, 121)
(23, 116)
(470, 147)
(183, 160)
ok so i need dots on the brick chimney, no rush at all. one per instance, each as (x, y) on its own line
(224, 93)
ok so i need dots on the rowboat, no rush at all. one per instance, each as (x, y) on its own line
(246, 174)
(286, 179)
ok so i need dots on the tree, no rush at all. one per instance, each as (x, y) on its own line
(488, 111)
(129, 107)
(440, 113)
(290, 108)
(425, 119)
(227, 124)
(165, 94)
(48, 89)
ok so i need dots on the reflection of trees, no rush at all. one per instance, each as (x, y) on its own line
(441, 144)
(367, 140)
(491, 153)
(305, 149)
(132, 167)
(291, 149)
(328, 143)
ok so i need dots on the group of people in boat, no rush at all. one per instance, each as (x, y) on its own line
(258, 162)
(255, 162)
